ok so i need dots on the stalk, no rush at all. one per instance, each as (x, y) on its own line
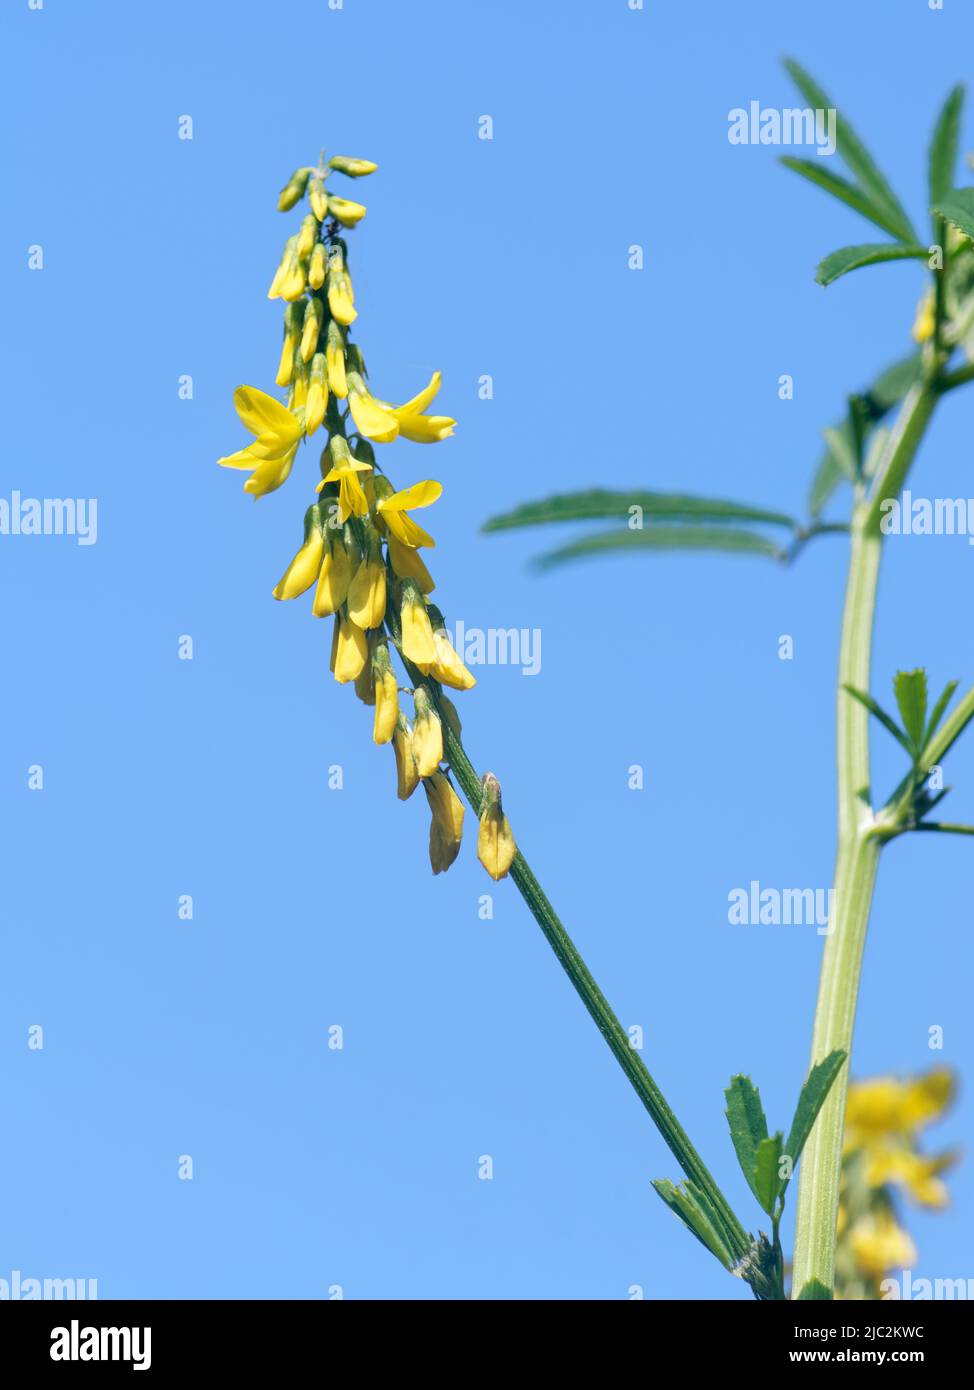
(857, 856)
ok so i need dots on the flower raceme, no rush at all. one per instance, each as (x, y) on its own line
(360, 554)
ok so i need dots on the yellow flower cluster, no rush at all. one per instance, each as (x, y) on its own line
(884, 1118)
(361, 548)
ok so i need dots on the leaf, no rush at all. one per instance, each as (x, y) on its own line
(663, 538)
(958, 208)
(811, 1098)
(748, 1126)
(842, 447)
(877, 710)
(839, 263)
(853, 151)
(937, 713)
(814, 1289)
(944, 145)
(767, 1181)
(695, 1212)
(910, 688)
(848, 193)
(599, 502)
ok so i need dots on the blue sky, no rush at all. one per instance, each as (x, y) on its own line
(316, 1168)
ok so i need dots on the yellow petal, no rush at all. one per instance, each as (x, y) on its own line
(386, 708)
(448, 669)
(495, 844)
(402, 526)
(417, 635)
(271, 473)
(425, 429)
(423, 399)
(303, 570)
(370, 419)
(264, 416)
(408, 564)
(352, 652)
(367, 594)
(422, 494)
(333, 581)
(428, 745)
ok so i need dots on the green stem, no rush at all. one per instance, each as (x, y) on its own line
(599, 1008)
(857, 854)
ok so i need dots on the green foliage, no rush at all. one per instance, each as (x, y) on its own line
(910, 688)
(664, 538)
(957, 208)
(839, 263)
(748, 1126)
(696, 1211)
(944, 146)
(846, 192)
(817, 1085)
(597, 503)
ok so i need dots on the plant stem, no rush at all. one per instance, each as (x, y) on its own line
(599, 1008)
(857, 854)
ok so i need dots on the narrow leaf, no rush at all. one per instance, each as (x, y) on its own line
(846, 192)
(748, 1126)
(684, 1202)
(839, 263)
(958, 208)
(842, 447)
(596, 503)
(879, 713)
(937, 713)
(663, 538)
(910, 688)
(944, 145)
(955, 724)
(817, 1085)
(767, 1182)
(853, 151)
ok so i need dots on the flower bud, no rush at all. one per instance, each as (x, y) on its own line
(318, 198)
(307, 236)
(346, 212)
(288, 259)
(926, 319)
(317, 394)
(446, 827)
(417, 634)
(354, 168)
(495, 842)
(298, 394)
(293, 190)
(293, 321)
(317, 266)
(335, 357)
(334, 577)
(447, 668)
(427, 733)
(386, 693)
(407, 778)
(365, 684)
(367, 591)
(351, 652)
(302, 572)
(314, 319)
(341, 297)
(408, 563)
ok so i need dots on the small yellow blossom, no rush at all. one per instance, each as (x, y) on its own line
(334, 578)
(286, 267)
(386, 694)
(351, 652)
(407, 778)
(317, 266)
(879, 1244)
(293, 190)
(447, 668)
(314, 319)
(318, 198)
(417, 634)
(345, 471)
(495, 841)
(427, 734)
(367, 591)
(303, 570)
(355, 168)
(278, 434)
(346, 212)
(926, 319)
(370, 418)
(394, 508)
(307, 237)
(446, 827)
(317, 402)
(335, 358)
(408, 564)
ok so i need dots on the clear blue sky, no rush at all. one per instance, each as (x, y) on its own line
(315, 1168)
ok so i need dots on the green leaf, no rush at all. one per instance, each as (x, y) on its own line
(846, 192)
(842, 447)
(879, 713)
(663, 538)
(944, 145)
(695, 1211)
(937, 713)
(748, 1126)
(854, 152)
(839, 263)
(817, 1085)
(767, 1180)
(814, 1289)
(910, 688)
(958, 208)
(599, 502)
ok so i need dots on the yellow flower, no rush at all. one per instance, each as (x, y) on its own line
(344, 470)
(879, 1244)
(351, 650)
(371, 419)
(915, 1173)
(334, 578)
(341, 297)
(335, 358)
(303, 570)
(278, 434)
(446, 828)
(407, 778)
(393, 506)
(408, 564)
(367, 591)
(349, 214)
(886, 1106)
(365, 684)
(293, 318)
(355, 168)
(297, 397)
(317, 266)
(413, 424)
(314, 319)
(495, 841)
(286, 267)
(317, 394)
(417, 634)
(427, 734)
(318, 198)
(448, 669)
(307, 237)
